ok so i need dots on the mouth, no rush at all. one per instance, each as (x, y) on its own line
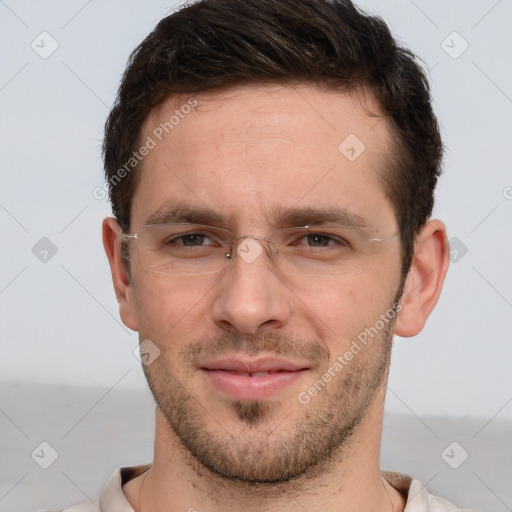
(252, 374)
(252, 379)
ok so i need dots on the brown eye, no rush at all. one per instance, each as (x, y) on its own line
(316, 240)
(191, 240)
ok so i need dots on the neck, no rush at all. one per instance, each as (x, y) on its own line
(350, 480)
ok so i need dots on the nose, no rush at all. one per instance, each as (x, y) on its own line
(252, 297)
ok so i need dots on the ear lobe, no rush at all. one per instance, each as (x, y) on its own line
(123, 287)
(425, 279)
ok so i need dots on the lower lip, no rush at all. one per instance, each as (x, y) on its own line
(245, 387)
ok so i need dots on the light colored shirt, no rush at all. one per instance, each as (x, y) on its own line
(418, 498)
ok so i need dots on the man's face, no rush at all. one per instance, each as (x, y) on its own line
(244, 154)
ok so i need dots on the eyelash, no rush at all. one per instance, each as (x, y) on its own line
(331, 238)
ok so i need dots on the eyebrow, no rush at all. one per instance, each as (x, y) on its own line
(278, 216)
(186, 214)
(284, 217)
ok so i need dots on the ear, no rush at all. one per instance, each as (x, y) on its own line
(425, 279)
(122, 283)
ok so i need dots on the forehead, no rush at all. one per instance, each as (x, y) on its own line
(245, 151)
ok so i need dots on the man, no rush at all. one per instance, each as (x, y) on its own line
(271, 166)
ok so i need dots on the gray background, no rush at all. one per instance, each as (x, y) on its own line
(65, 354)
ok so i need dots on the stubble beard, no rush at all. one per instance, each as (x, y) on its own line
(264, 448)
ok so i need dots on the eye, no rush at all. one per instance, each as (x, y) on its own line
(317, 240)
(191, 240)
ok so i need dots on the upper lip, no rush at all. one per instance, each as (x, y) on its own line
(265, 364)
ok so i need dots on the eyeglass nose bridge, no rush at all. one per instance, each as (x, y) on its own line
(263, 241)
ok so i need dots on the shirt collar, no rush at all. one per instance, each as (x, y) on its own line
(418, 498)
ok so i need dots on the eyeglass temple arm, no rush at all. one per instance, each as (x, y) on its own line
(124, 235)
(384, 238)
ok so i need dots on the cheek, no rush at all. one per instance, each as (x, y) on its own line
(340, 312)
(169, 310)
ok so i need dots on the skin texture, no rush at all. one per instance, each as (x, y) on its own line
(243, 152)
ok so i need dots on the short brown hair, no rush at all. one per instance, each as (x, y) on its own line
(214, 44)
